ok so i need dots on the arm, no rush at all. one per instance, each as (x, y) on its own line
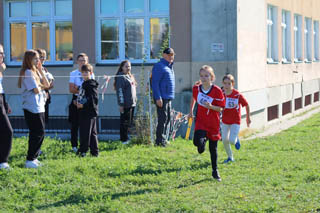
(192, 103)
(248, 115)
(156, 76)
(213, 107)
(119, 91)
(73, 89)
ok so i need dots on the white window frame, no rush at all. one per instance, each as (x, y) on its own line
(272, 34)
(316, 40)
(308, 39)
(52, 19)
(286, 36)
(297, 38)
(122, 16)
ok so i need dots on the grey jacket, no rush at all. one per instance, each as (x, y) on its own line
(126, 91)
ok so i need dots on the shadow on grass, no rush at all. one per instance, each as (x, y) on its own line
(127, 194)
(194, 183)
(74, 199)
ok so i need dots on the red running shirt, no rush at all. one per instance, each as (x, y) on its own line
(208, 120)
(232, 112)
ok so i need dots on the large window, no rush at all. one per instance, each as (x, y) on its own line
(308, 39)
(316, 40)
(297, 38)
(45, 24)
(272, 35)
(286, 38)
(131, 29)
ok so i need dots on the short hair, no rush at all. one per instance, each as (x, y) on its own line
(86, 68)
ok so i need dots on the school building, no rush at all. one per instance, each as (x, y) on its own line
(270, 46)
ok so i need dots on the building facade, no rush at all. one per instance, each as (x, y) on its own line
(270, 46)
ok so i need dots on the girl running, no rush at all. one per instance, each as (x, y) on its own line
(6, 131)
(231, 116)
(125, 87)
(33, 83)
(210, 100)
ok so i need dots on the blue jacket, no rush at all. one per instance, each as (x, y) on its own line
(163, 80)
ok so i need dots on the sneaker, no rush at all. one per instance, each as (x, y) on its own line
(38, 162)
(126, 142)
(32, 164)
(4, 165)
(215, 175)
(74, 149)
(237, 145)
(81, 154)
(202, 145)
(228, 160)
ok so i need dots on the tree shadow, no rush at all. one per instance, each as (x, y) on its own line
(71, 200)
(127, 194)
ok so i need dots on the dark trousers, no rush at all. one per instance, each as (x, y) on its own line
(6, 133)
(163, 121)
(126, 119)
(199, 139)
(88, 135)
(36, 125)
(46, 106)
(74, 121)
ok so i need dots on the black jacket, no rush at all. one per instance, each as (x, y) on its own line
(89, 98)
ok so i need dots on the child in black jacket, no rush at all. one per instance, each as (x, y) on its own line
(87, 104)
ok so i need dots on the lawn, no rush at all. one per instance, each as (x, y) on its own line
(275, 174)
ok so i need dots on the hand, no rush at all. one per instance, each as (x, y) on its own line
(207, 105)
(75, 103)
(248, 121)
(79, 106)
(159, 103)
(121, 109)
(9, 110)
(190, 115)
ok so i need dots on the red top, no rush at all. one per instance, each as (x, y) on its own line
(232, 112)
(208, 120)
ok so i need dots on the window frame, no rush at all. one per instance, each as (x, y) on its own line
(297, 28)
(272, 37)
(28, 20)
(286, 36)
(122, 16)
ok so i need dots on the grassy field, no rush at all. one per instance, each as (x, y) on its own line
(276, 174)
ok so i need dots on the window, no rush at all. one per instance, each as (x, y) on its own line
(316, 40)
(272, 48)
(45, 24)
(131, 29)
(307, 40)
(286, 38)
(297, 38)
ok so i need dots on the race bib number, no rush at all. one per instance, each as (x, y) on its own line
(231, 103)
(202, 99)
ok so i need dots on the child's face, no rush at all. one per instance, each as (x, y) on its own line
(86, 75)
(205, 76)
(227, 84)
(126, 68)
(35, 60)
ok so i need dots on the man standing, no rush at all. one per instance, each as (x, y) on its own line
(163, 88)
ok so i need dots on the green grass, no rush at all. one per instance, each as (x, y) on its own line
(275, 174)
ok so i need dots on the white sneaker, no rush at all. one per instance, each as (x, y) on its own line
(4, 165)
(126, 142)
(38, 162)
(32, 164)
(74, 149)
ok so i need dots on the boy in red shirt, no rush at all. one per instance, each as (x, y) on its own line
(210, 103)
(231, 116)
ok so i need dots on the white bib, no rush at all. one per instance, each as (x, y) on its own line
(202, 98)
(231, 103)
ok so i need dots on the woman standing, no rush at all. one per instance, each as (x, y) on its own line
(33, 83)
(5, 126)
(125, 86)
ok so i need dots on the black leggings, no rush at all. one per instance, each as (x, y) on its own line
(201, 135)
(126, 119)
(6, 133)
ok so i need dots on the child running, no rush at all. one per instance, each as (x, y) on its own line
(87, 103)
(33, 83)
(210, 100)
(231, 116)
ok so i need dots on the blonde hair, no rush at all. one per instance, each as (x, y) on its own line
(27, 64)
(208, 69)
(229, 77)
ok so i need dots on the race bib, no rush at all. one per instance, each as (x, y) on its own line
(202, 99)
(232, 103)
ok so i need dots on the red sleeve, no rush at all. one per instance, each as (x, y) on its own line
(195, 91)
(219, 99)
(243, 101)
